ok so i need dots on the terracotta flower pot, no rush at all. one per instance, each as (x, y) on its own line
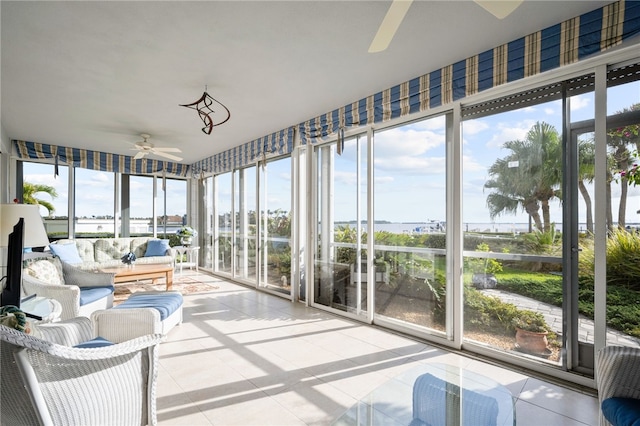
(531, 341)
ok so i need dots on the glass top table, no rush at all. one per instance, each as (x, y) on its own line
(435, 395)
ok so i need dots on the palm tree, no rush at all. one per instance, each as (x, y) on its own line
(29, 191)
(510, 192)
(528, 177)
(619, 140)
(586, 172)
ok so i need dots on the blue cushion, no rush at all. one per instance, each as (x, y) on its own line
(157, 248)
(432, 396)
(622, 411)
(165, 303)
(98, 342)
(66, 252)
(91, 294)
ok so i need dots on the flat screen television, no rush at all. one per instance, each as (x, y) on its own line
(13, 286)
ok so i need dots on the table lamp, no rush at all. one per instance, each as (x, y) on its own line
(34, 233)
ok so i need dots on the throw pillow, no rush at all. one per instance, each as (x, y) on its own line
(48, 270)
(68, 253)
(157, 248)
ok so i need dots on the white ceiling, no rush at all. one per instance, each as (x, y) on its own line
(95, 75)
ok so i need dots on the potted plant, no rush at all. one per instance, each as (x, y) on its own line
(531, 332)
(186, 234)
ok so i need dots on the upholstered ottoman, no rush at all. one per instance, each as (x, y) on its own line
(146, 312)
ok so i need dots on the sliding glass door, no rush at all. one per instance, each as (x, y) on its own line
(340, 266)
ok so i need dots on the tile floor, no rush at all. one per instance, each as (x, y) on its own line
(243, 357)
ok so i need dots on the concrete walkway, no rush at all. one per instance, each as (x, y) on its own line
(553, 316)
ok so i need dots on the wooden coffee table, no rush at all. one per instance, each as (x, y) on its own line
(127, 273)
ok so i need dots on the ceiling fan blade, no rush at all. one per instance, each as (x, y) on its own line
(139, 155)
(389, 25)
(499, 9)
(167, 149)
(169, 156)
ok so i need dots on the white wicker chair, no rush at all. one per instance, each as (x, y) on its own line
(618, 374)
(46, 381)
(74, 282)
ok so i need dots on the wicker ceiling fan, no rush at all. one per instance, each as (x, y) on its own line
(145, 147)
(399, 8)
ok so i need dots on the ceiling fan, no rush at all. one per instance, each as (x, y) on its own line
(398, 9)
(145, 147)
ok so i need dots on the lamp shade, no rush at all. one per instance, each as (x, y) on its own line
(34, 233)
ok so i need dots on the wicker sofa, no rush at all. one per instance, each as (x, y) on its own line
(95, 253)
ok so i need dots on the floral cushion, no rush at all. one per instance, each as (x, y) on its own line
(48, 270)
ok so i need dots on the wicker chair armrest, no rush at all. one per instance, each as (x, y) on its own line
(67, 295)
(28, 341)
(67, 333)
(119, 325)
(82, 278)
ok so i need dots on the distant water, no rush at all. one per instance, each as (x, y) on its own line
(399, 228)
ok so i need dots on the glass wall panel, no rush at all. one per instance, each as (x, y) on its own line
(623, 214)
(340, 270)
(52, 193)
(141, 200)
(410, 223)
(174, 209)
(210, 226)
(94, 204)
(275, 238)
(245, 223)
(513, 227)
(224, 212)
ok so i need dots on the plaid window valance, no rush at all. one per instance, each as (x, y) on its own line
(553, 47)
(96, 160)
(273, 145)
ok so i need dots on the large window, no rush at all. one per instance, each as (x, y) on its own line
(51, 192)
(141, 205)
(276, 214)
(94, 204)
(175, 207)
(245, 223)
(623, 214)
(410, 223)
(224, 211)
(340, 272)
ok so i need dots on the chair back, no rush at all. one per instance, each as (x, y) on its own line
(47, 383)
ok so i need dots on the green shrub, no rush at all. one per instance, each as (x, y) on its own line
(623, 260)
(487, 313)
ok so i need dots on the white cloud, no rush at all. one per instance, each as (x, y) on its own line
(473, 127)
(408, 164)
(580, 102)
(509, 132)
(469, 164)
(383, 180)
(345, 178)
(409, 140)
